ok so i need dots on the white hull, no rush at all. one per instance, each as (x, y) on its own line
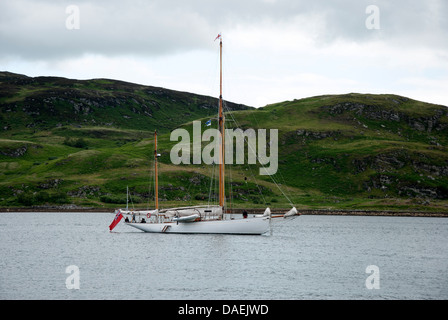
(257, 225)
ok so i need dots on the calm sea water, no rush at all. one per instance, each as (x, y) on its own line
(311, 257)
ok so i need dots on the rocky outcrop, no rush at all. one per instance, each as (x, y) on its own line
(50, 184)
(381, 113)
(383, 162)
(15, 153)
(316, 135)
(85, 191)
(431, 169)
(404, 174)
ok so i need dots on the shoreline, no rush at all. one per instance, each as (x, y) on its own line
(340, 212)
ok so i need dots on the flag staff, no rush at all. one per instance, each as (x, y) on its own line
(156, 192)
(221, 130)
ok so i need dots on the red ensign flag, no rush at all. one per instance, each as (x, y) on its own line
(117, 219)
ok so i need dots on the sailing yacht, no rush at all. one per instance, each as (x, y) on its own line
(207, 218)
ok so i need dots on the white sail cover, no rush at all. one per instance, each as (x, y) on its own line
(291, 212)
(267, 212)
(138, 212)
(203, 211)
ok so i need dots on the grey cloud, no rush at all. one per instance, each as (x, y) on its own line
(36, 29)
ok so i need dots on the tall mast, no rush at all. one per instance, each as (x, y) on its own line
(156, 192)
(222, 132)
(127, 198)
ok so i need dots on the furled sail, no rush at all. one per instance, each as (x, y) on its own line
(291, 213)
(203, 211)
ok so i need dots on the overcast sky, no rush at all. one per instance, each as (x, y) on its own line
(274, 50)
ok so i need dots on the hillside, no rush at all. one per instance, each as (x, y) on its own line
(42, 103)
(354, 151)
(358, 151)
(379, 147)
